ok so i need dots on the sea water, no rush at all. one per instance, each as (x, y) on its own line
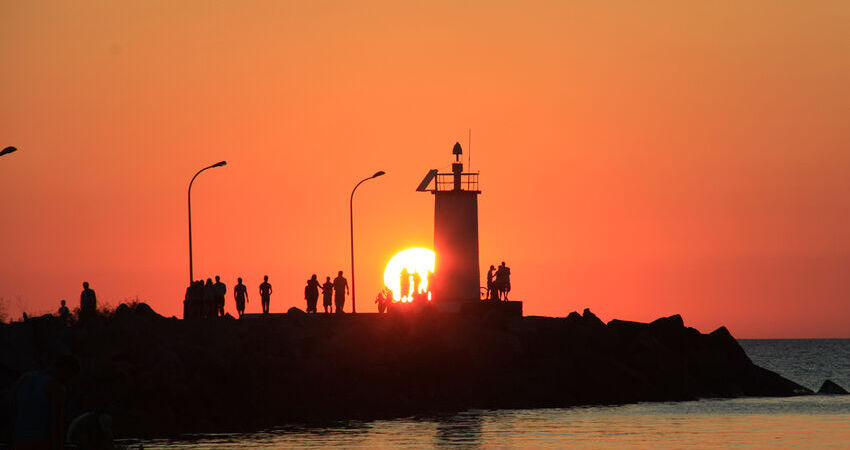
(806, 421)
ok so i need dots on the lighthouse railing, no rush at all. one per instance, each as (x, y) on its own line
(445, 182)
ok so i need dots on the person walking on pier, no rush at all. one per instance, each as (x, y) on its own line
(405, 284)
(328, 295)
(311, 294)
(240, 294)
(221, 293)
(429, 283)
(491, 285)
(265, 293)
(417, 280)
(381, 300)
(503, 281)
(340, 289)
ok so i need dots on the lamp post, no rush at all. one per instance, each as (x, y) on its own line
(8, 150)
(351, 222)
(218, 164)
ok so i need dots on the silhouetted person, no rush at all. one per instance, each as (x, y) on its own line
(405, 283)
(503, 281)
(429, 279)
(63, 312)
(311, 294)
(265, 293)
(197, 299)
(240, 294)
(210, 295)
(417, 280)
(389, 299)
(491, 285)
(38, 406)
(328, 295)
(221, 293)
(340, 289)
(381, 301)
(88, 302)
(187, 301)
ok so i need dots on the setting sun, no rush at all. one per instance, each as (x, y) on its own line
(419, 260)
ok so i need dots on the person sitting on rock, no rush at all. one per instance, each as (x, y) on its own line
(328, 295)
(240, 294)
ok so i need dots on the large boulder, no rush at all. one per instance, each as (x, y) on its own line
(831, 388)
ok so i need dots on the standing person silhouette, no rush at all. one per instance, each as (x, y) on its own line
(405, 284)
(88, 302)
(381, 300)
(265, 293)
(340, 289)
(240, 294)
(417, 280)
(311, 294)
(506, 279)
(328, 295)
(210, 294)
(63, 312)
(429, 283)
(491, 286)
(221, 292)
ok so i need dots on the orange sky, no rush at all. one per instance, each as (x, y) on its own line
(638, 158)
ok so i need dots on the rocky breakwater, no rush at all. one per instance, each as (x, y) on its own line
(161, 376)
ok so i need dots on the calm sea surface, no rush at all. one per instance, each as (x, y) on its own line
(810, 421)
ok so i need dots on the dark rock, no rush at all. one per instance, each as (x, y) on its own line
(627, 329)
(296, 312)
(158, 376)
(591, 319)
(832, 388)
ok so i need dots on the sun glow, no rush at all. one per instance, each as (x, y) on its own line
(417, 259)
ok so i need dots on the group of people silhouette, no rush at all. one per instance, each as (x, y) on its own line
(333, 294)
(407, 277)
(205, 300)
(498, 282)
(88, 305)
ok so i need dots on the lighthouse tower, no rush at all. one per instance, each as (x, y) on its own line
(456, 273)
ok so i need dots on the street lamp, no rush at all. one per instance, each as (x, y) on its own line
(351, 222)
(218, 164)
(8, 150)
